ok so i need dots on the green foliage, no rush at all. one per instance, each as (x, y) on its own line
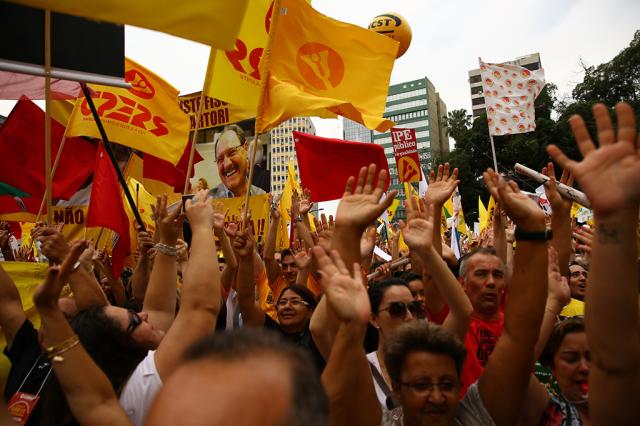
(611, 82)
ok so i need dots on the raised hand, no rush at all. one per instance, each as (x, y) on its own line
(584, 238)
(219, 215)
(46, 295)
(368, 241)
(242, 243)
(441, 185)
(305, 203)
(53, 244)
(346, 294)
(518, 206)
(418, 230)
(169, 224)
(360, 205)
(145, 241)
(274, 202)
(558, 203)
(324, 231)
(558, 289)
(609, 175)
(301, 256)
(199, 211)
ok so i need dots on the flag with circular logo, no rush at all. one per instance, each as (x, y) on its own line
(146, 117)
(316, 65)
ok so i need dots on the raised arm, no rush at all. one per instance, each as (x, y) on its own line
(142, 270)
(200, 298)
(560, 217)
(347, 377)
(231, 263)
(102, 261)
(610, 177)
(160, 297)
(505, 379)
(89, 393)
(441, 187)
(418, 234)
(270, 263)
(244, 247)
(12, 315)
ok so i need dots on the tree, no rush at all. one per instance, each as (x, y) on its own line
(457, 122)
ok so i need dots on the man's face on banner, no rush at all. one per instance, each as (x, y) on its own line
(231, 158)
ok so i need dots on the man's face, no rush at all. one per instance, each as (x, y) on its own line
(578, 281)
(484, 283)
(231, 158)
(423, 403)
(289, 269)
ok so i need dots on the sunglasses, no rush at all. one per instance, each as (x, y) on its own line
(399, 309)
(134, 321)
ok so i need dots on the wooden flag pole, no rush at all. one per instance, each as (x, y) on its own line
(112, 157)
(53, 172)
(493, 151)
(47, 113)
(252, 154)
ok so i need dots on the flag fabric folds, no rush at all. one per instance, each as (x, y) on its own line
(22, 154)
(163, 171)
(483, 215)
(315, 65)
(146, 117)
(106, 208)
(326, 164)
(509, 94)
(212, 22)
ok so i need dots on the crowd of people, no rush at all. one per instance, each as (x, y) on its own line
(536, 325)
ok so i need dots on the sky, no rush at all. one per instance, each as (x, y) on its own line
(448, 38)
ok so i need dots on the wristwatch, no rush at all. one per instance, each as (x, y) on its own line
(545, 235)
(299, 218)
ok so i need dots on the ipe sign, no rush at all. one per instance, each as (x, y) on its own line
(405, 149)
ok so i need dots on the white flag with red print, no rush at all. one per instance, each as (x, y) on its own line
(509, 94)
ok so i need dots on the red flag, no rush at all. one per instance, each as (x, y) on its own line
(326, 164)
(163, 171)
(106, 208)
(22, 154)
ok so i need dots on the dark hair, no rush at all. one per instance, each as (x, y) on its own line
(464, 260)
(285, 252)
(302, 291)
(421, 336)
(560, 330)
(410, 276)
(113, 349)
(309, 405)
(377, 291)
(579, 263)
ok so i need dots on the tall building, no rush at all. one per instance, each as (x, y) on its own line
(530, 62)
(415, 105)
(354, 131)
(282, 149)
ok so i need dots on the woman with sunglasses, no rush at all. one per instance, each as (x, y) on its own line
(392, 303)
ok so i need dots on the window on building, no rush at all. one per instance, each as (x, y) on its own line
(475, 90)
(475, 79)
(477, 101)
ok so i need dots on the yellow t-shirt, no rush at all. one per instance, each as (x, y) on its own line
(575, 308)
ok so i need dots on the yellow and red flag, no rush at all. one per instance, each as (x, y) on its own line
(317, 65)
(144, 117)
(212, 22)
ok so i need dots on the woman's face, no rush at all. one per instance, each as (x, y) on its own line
(571, 366)
(293, 312)
(388, 317)
(430, 389)
(141, 330)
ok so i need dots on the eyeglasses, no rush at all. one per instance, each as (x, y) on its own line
(399, 309)
(294, 302)
(134, 321)
(423, 388)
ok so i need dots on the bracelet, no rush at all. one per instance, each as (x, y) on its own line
(167, 250)
(54, 352)
(545, 235)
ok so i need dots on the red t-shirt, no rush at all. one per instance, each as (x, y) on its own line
(437, 317)
(480, 341)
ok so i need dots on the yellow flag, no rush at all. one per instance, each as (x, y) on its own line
(483, 215)
(214, 111)
(315, 63)
(391, 211)
(145, 117)
(212, 22)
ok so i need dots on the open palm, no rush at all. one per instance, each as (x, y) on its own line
(610, 174)
(442, 184)
(418, 230)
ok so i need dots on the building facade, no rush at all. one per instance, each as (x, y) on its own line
(531, 62)
(415, 105)
(355, 132)
(282, 149)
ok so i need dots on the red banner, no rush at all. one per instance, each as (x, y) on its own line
(405, 148)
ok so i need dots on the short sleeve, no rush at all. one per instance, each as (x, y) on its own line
(141, 389)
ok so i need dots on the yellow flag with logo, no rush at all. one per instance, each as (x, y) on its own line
(145, 117)
(315, 63)
(212, 22)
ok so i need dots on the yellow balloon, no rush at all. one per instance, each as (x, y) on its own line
(395, 26)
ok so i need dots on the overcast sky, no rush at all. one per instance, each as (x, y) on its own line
(448, 37)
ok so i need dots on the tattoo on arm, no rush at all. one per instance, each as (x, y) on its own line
(607, 235)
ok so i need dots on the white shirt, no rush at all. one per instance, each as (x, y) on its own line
(141, 389)
(373, 359)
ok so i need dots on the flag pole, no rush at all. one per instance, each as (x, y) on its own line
(493, 151)
(47, 113)
(112, 157)
(53, 172)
